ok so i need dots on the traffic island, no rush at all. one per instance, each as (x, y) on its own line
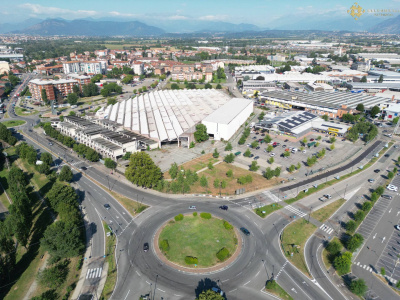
(197, 243)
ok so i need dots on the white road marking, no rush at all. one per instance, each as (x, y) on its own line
(390, 210)
(225, 280)
(232, 291)
(138, 273)
(247, 282)
(383, 239)
(160, 290)
(127, 294)
(293, 289)
(374, 236)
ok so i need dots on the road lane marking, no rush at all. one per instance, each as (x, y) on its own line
(225, 280)
(390, 210)
(232, 290)
(127, 295)
(293, 289)
(160, 290)
(383, 239)
(138, 273)
(374, 236)
(247, 283)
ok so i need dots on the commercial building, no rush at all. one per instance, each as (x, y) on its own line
(167, 116)
(297, 124)
(373, 87)
(391, 111)
(226, 120)
(257, 85)
(88, 67)
(296, 77)
(333, 104)
(108, 143)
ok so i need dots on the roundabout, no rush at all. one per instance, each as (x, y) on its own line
(197, 243)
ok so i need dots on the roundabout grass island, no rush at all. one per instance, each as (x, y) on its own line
(197, 241)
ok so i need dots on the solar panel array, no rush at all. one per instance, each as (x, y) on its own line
(296, 120)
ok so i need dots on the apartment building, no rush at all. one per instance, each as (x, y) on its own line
(138, 67)
(55, 89)
(88, 67)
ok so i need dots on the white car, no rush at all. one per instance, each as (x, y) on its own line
(392, 188)
(397, 227)
(248, 145)
(272, 154)
(304, 151)
(192, 207)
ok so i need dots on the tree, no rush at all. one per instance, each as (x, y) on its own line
(332, 140)
(271, 160)
(65, 174)
(247, 153)
(53, 277)
(354, 242)
(127, 79)
(359, 216)
(203, 181)
(363, 79)
(47, 295)
(43, 168)
(218, 87)
(360, 107)
(358, 287)
(342, 263)
(254, 167)
(44, 96)
(229, 173)
(390, 175)
(228, 147)
(142, 170)
(216, 153)
(286, 153)
(292, 168)
(109, 163)
(210, 295)
(374, 111)
(208, 86)
(174, 86)
(229, 158)
(267, 139)
(332, 147)
(173, 171)
(298, 166)
(111, 101)
(380, 190)
(72, 98)
(334, 247)
(277, 172)
(254, 144)
(61, 193)
(46, 158)
(200, 134)
(90, 89)
(383, 271)
(380, 80)
(91, 155)
(270, 148)
(304, 141)
(325, 117)
(395, 120)
(269, 173)
(62, 240)
(210, 165)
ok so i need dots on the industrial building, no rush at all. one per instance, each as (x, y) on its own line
(391, 112)
(226, 120)
(108, 143)
(168, 116)
(296, 124)
(333, 104)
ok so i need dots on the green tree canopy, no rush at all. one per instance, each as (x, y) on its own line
(109, 163)
(65, 174)
(142, 170)
(358, 287)
(46, 158)
(72, 98)
(210, 295)
(200, 134)
(360, 107)
(374, 111)
(61, 193)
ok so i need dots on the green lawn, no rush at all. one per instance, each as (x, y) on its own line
(197, 237)
(112, 269)
(24, 112)
(13, 123)
(296, 234)
(279, 291)
(267, 209)
(325, 212)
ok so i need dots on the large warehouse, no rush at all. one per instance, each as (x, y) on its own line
(171, 116)
(333, 104)
(226, 120)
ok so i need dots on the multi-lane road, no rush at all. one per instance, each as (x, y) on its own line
(261, 258)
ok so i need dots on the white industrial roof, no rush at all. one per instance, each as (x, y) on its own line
(165, 115)
(227, 112)
(296, 76)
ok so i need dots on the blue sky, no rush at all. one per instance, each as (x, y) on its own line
(259, 12)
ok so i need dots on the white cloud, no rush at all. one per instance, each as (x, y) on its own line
(38, 9)
(177, 17)
(118, 14)
(213, 17)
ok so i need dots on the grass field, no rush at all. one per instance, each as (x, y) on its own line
(325, 212)
(267, 209)
(197, 237)
(112, 268)
(196, 164)
(13, 123)
(279, 291)
(296, 234)
(24, 112)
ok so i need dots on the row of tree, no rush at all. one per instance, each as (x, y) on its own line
(6, 135)
(81, 149)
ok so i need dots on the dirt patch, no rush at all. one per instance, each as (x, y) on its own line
(196, 164)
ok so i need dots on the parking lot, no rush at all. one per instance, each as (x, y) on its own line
(389, 257)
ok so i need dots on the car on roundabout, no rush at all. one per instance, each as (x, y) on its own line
(224, 207)
(146, 247)
(245, 231)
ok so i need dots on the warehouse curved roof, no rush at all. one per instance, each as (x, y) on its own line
(165, 115)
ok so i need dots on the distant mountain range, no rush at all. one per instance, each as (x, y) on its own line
(90, 28)
(195, 28)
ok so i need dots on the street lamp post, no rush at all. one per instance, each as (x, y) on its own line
(309, 214)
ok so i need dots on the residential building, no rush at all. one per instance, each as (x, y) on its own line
(55, 89)
(88, 67)
(4, 67)
(138, 67)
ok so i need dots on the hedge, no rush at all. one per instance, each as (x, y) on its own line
(179, 217)
(190, 260)
(195, 214)
(205, 215)
(164, 245)
(223, 254)
(227, 225)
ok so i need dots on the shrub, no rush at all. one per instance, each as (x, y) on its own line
(195, 214)
(227, 225)
(383, 271)
(179, 217)
(190, 260)
(229, 173)
(164, 245)
(271, 284)
(206, 216)
(223, 254)
(380, 190)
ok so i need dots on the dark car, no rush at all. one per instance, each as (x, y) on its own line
(83, 168)
(245, 231)
(257, 157)
(286, 140)
(377, 170)
(283, 146)
(251, 155)
(258, 148)
(387, 155)
(107, 206)
(224, 207)
(146, 247)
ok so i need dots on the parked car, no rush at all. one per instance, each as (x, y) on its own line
(387, 196)
(283, 146)
(257, 147)
(272, 154)
(371, 180)
(245, 231)
(311, 140)
(327, 196)
(377, 170)
(257, 157)
(224, 207)
(286, 140)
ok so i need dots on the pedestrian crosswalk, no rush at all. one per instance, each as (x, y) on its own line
(326, 229)
(365, 267)
(271, 196)
(295, 211)
(94, 273)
